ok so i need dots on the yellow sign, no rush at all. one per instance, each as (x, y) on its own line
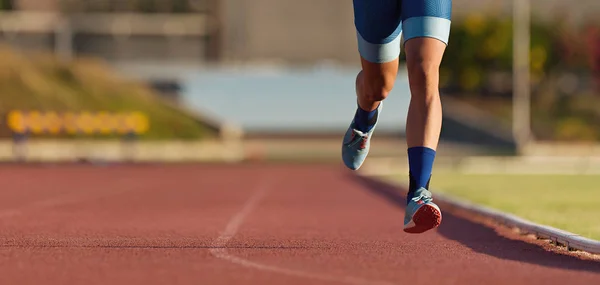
(139, 122)
(121, 127)
(16, 122)
(53, 123)
(85, 123)
(35, 122)
(71, 123)
(104, 122)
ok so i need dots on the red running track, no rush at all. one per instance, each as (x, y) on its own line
(246, 224)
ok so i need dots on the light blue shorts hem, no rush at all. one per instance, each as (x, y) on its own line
(415, 27)
(432, 27)
(378, 53)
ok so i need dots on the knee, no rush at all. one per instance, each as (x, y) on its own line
(377, 86)
(423, 73)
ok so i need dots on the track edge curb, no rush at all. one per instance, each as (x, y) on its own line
(557, 236)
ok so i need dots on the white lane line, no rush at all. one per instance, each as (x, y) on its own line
(219, 250)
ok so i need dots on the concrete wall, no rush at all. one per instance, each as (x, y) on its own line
(295, 31)
(115, 151)
(37, 5)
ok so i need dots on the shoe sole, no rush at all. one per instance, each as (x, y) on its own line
(426, 218)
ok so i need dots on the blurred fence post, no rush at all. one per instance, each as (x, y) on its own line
(231, 136)
(521, 76)
(128, 147)
(63, 43)
(19, 146)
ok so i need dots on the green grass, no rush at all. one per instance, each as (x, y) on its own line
(568, 202)
(36, 81)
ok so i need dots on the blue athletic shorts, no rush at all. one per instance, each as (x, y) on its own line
(379, 24)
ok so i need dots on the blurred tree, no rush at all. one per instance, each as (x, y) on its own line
(181, 6)
(593, 45)
(6, 4)
(147, 6)
(477, 68)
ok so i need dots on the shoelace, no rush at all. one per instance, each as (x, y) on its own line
(424, 197)
(363, 140)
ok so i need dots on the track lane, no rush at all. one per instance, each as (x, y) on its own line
(314, 224)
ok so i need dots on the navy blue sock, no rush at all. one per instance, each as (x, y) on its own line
(365, 120)
(420, 163)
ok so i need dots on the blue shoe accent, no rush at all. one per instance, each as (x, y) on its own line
(356, 145)
(421, 213)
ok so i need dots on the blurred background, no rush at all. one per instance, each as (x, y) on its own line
(106, 81)
(175, 80)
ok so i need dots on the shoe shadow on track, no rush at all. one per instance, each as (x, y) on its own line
(483, 239)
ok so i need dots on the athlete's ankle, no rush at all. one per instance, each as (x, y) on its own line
(420, 161)
(365, 120)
